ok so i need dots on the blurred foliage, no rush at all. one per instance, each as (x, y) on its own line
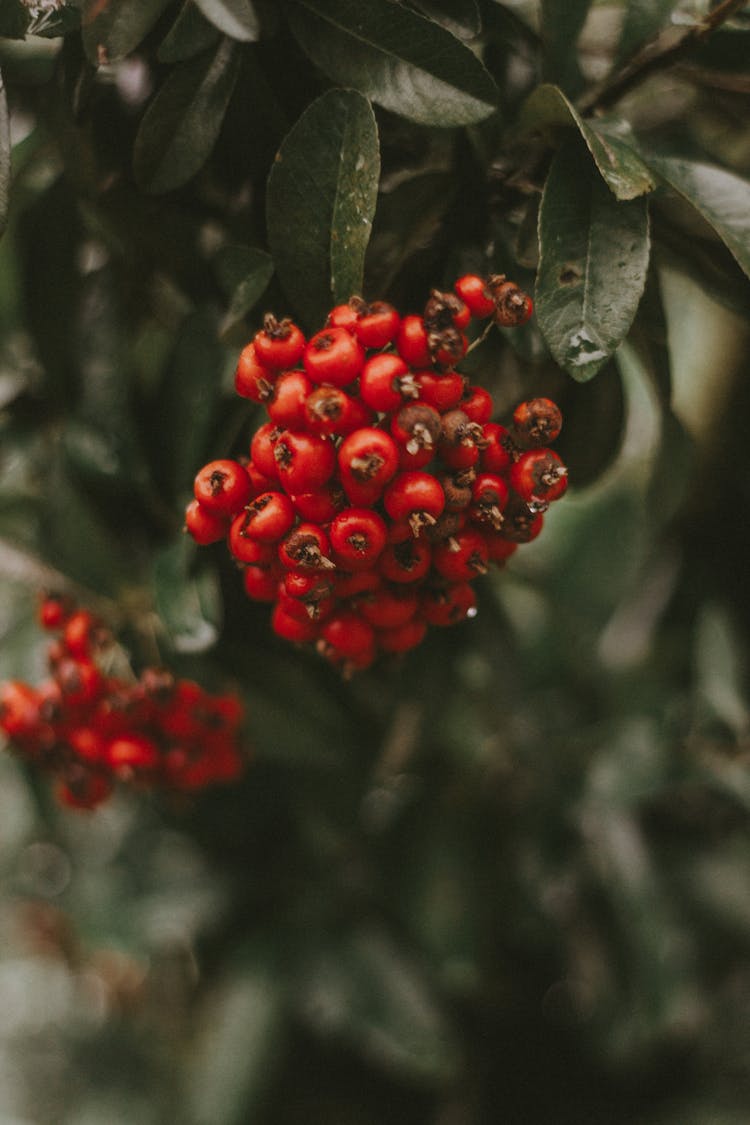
(504, 879)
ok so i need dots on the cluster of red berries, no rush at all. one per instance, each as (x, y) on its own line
(379, 487)
(91, 729)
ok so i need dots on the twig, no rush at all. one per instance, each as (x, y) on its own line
(658, 54)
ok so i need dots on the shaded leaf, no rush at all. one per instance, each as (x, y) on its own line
(189, 604)
(114, 28)
(406, 220)
(235, 18)
(181, 124)
(560, 27)
(594, 255)
(4, 158)
(321, 198)
(397, 58)
(623, 170)
(243, 273)
(643, 19)
(727, 49)
(721, 197)
(190, 34)
(14, 19)
(460, 17)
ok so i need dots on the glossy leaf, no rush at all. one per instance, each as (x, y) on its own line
(181, 124)
(594, 255)
(244, 273)
(397, 58)
(321, 198)
(560, 27)
(235, 18)
(114, 28)
(643, 20)
(623, 170)
(4, 158)
(190, 34)
(460, 17)
(189, 605)
(721, 197)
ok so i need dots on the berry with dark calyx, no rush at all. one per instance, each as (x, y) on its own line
(329, 410)
(489, 494)
(386, 382)
(447, 605)
(457, 489)
(367, 460)
(252, 379)
(406, 562)
(536, 423)
(513, 307)
(286, 405)
(412, 343)
(310, 587)
(445, 316)
(304, 609)
(357, 536)
(262, 450)
(279, 344)
(461, 440)
(522, 522)
(416, 497)
(417, 427)
(266, 519)
(539, 474)
(333, 356)
(343, 316)
(462, 557)
(476, 295)
(304, 462)
(320, 506)
(376, 323)
(222, 487)
(306, 548)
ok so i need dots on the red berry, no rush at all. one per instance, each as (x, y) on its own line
(416, 497)
(204, 526)
(291, 628)
(305, 462)
(417, 427)
(267, 519)
(132, 752)
(477, 404)
(489, 496)
(443, 391)
(347, 633)
(320, 506)
(359, 582)
(411, 342)
(54, 611)
(462, 557)
(367, 459)
(342, 316)
(474, 292)
(252, 379)
(286, 407)
(279, 344)
(20, 716)
(222, 487)
(261, 583)
(449, 605)
(536, 422)
(329, 410)
(262, 450)
(357, 535)
(386, 382)
(540, 475)
(376, 323)
(497, 448)
(404, 637)
(79, 634)
(388, 609)
(405, 562)
(305, 548)
(334, 356)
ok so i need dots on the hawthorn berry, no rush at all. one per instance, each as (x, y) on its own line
(539, 474)
(333, 356)
(279, 344)
(222, 487)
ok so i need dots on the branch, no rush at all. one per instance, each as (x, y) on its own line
(658, 54)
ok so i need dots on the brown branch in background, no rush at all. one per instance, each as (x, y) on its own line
(664, 51)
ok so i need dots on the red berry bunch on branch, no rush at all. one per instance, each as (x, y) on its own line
(90, 729)
(378, 488)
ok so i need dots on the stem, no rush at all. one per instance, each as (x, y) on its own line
(480, 339)
(661, 52)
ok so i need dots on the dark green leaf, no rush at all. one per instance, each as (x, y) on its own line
(728, 49)
(235, 18)
(243, 273)
(460, 17)
(623, 170)
(406, 220)
(114, 28)
(721, 197)
(189, 604)
(181, 124)
(4, 158)
(190, 34)
(14, 19)
(594, 255)
(561, 25)
(321, 198)
(643, 19)
(397, 58)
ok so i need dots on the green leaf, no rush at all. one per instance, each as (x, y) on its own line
(190, 34)
(321, 198)
(460, 17)
(14, 19)
(561, 25)
(235, 18)
(4, 158)
(594, 255)
(114, 28)
(721, 197)
(243, 273)
(407, 219)
(181, 124)
(188, 604)
(643, 19)
(397, 58)
(622, 169)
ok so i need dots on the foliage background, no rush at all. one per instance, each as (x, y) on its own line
(505, 879)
